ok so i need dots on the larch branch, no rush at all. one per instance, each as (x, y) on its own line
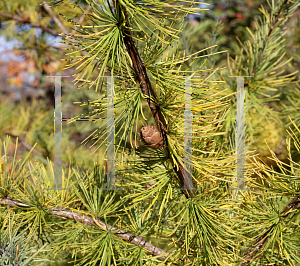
(54, 17)
(293, 205)
(96, 222)
(268, 36)
(27, 21)
(146, 88)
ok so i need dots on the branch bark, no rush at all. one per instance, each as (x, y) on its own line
(54, 17)
(81, 18)
(294, 204)
(268, 36)
(32, 24)
(96, 222)
(146, 88)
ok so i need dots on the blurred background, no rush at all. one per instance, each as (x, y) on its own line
(31, 51)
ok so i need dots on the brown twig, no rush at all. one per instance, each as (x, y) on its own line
(23, 141)
(81, 18)
(268, 36)
(294, 204)
(281, 146)
(25, 20)
(54, 17)
(146, 88)
(261, 240)
(96, 222)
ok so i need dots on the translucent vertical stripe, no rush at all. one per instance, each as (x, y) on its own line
(110, 134)
(58, 135)
(240, 133)
(188, 118)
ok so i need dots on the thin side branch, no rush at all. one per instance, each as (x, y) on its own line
(25, 20)
(268, 36)
(293, 205)
(81, 18)
(146, 88)
(96, 222)
(55, 18)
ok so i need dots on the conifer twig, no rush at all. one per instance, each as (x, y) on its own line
(146, 88)
(268, 36)
(23, 141)
(26, 20)
(96, 222)
(294, 204)
(54, 17)
(81, 18)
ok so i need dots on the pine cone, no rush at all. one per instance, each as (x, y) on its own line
(152, 137)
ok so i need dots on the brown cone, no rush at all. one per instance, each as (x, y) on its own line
(152, 137)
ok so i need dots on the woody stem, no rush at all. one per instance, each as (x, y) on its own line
(146, 88)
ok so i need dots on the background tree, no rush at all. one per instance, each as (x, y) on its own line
(141, 44)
